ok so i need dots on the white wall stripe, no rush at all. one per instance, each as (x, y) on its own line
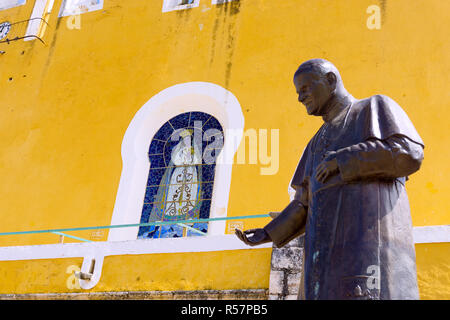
(111, 248)
(431, 234)
(427, 234)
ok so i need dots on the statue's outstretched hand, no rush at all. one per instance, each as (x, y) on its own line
(253, 237)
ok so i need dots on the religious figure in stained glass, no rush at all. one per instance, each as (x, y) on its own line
(180, 182)
(179, 192)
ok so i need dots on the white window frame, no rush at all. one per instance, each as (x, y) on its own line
(67, 8)
(12, 4)
(172, 5)
(213, 2)
(40, 10)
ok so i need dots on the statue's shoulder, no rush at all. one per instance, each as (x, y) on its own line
(380, 116)
(377, 99)
(377, 105)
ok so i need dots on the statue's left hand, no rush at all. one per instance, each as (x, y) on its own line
(326, 169)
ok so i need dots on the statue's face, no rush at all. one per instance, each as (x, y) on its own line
(313, 92)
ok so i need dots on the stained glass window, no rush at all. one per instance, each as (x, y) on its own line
(170, 5)
(76, 7)
(182, 157)
(186, 2)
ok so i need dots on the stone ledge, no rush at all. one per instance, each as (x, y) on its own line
(245, 294)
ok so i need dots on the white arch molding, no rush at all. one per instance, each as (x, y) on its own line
(193, 96)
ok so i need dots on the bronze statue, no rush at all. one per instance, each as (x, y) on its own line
(350, 198)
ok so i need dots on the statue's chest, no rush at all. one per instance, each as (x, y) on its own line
(332, 137)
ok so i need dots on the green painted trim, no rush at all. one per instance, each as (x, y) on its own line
(69, 236)
(157, 223)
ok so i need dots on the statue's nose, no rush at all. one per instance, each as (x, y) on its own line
(302, 99)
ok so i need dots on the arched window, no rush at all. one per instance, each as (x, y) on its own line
(182, 157)
(191, 97)
(171, 5)
(76, 7)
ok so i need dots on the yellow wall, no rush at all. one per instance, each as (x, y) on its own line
(433, 270)
(69, 103)
(37, 276)
(156, 272)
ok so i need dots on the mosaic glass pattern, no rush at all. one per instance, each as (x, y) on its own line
(182, 159)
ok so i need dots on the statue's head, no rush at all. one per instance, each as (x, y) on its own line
(316, 82)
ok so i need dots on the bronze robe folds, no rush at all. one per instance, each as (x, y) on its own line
(358, 233)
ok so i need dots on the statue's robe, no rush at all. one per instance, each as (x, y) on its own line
(358, 232)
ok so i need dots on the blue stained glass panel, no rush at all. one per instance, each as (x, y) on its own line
(157, 161)
(212, 124)
(144, 219)
(204, 209)
(203, 227)
(207, 190)
(155, 176)
(156, 146)
(164, 133)
(210, 154)
(208, 172)
(199, 119)
(150, 194)
(151, 232)
(181, 121)
(171, 231)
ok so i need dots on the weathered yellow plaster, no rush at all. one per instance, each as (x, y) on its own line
(433, 270)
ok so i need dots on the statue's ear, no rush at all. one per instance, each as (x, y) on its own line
(332, 80)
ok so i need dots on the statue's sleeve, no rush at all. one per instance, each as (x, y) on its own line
(290, 223)
(390, 146)
(395, 157)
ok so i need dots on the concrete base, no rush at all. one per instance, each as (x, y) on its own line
(286, 274)
(248, 294)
